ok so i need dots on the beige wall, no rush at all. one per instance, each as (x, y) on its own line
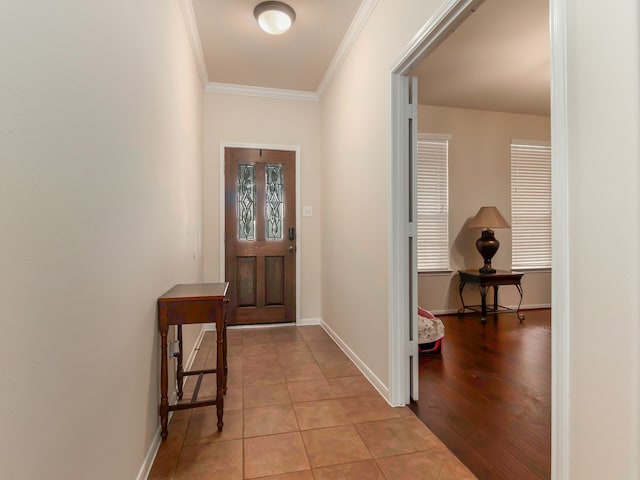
(479, 174)
(100, 213)
(263, 121)
(356, 188)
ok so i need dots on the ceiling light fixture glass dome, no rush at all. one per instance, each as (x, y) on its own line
(274, 17)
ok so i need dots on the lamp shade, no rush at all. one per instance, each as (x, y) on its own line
(274, 17)
(488, 217)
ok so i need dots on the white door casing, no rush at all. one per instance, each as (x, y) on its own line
(412, 237)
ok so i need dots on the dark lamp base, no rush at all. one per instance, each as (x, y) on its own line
(487, 246)
(487, 269)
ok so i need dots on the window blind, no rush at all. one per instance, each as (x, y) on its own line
(433, 202)
(530, 204)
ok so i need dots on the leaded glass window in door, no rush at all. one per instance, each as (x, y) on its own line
(274, 202)
(246, 201)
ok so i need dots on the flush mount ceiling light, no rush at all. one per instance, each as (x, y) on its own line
(274, 17)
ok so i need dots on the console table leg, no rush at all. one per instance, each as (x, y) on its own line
(224, 356)
(220, 368)
(180, 370)
(520, 315)
(164, 399)
(460, 287)
(225, 305)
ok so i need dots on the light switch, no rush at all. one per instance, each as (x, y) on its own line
(307, 211)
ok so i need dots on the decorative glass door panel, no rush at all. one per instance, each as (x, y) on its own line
(274, 202)
(246, 201)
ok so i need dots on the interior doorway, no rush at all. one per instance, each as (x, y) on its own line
(260, 240)
(433, 33)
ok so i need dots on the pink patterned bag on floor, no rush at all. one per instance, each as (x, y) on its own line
(430, 332)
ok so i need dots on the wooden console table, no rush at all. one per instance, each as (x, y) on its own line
(188, 304)
(486, 280)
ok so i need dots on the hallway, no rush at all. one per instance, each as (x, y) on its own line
(297, 409)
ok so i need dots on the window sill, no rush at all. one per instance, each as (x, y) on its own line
(532, 270)
(435, 273)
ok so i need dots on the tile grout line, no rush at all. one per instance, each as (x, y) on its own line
(339, 401)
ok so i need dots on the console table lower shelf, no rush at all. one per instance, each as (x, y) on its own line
(485, 280)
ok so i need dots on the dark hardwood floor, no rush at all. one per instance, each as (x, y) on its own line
(488, 395)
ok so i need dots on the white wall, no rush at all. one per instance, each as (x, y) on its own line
(479, 174)
(265, 121)
(604, 238)
(100, 213)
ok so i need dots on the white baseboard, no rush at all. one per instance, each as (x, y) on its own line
(534, 306)
(452, 311)
(369, 375)
(309, 321)
(196, 347)
(449, 311)
(145, 469)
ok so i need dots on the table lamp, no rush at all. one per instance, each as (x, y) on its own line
(487, 218)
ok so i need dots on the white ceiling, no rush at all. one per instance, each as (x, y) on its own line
(498, 59)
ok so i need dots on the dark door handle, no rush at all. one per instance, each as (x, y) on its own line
(292, 233)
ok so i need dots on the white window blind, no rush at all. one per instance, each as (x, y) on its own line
(530, 204)
(433, 202)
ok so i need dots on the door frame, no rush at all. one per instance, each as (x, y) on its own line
(289, 148)
(451, 14)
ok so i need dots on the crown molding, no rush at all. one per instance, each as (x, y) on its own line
(356, 26)
(358, 23)
(189, 17)
(249, 91)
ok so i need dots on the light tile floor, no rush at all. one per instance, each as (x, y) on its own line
(297, 409)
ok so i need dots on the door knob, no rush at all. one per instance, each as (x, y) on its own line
(291, 248)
